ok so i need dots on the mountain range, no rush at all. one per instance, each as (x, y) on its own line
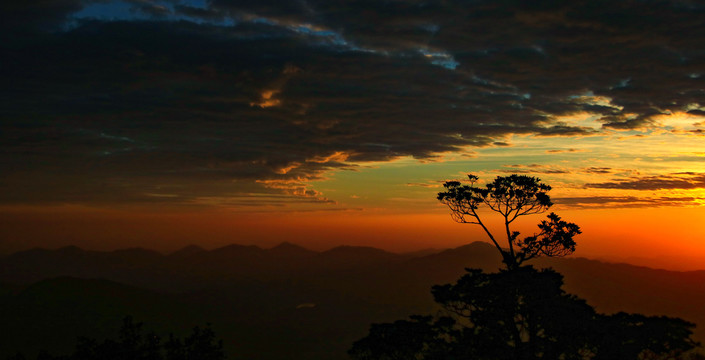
(285, 302)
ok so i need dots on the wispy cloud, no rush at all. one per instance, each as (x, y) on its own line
(434, 184)
(588, 202)
(533, 169)
(688, 180)
(569, 150)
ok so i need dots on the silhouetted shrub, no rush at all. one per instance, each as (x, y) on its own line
(133, 344)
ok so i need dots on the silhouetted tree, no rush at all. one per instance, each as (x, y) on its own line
(522, 314)
(517, 314)
(512, 196)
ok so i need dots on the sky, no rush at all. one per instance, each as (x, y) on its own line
(161, 123)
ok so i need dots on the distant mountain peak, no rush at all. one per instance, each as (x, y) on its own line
(188, 250)
(477, 245)
(287, 245)
(237, 247)
(237, 250)
(289, 249)
(474, 251)
(137, 254)
(134, 250)
(348, 250)
(69, 248)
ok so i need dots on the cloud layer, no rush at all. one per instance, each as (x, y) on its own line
(176, 101)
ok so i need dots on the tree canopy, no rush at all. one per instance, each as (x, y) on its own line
(520, 313)
(512, 197)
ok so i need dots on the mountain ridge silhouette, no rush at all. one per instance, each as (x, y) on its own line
(254, 295)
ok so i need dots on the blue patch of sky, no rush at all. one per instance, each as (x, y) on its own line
(195, 3)
(129, 11)
(318, 37)
(126, 11)
(111, 11)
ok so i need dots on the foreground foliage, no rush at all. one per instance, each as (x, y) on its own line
(132, 344)
(522, 314)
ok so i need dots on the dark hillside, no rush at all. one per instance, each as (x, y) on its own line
(312, 304)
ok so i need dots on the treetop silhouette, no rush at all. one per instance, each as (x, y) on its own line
(523, 314)
(512, 196)
(520, 313)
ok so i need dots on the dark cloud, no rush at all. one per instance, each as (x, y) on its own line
(661, 182)
(697, 112)
(532, 169)
(699, 132)
(570, 150)
(620, 122)
(426, 185)
(624, 201)
(598, 170)
(20, 17)
(247, 96)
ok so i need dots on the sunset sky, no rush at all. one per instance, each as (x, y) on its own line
(160, 123)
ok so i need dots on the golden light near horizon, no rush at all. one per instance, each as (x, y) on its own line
(277, 169)
(332, 119)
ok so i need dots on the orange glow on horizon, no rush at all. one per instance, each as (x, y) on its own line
(661, 233)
